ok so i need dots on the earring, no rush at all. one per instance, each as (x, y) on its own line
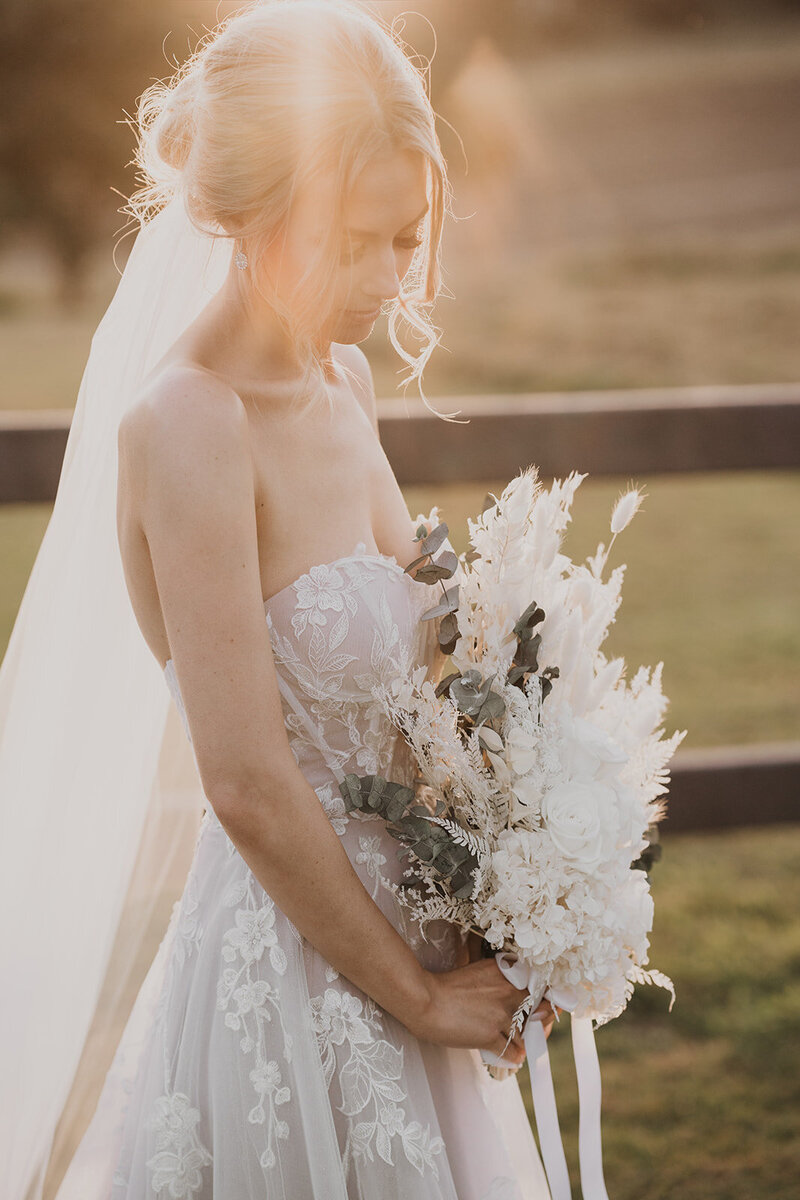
(240, 258)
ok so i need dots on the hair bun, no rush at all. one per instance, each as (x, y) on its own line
(173, 128)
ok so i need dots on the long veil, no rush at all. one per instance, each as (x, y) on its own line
(100, 800)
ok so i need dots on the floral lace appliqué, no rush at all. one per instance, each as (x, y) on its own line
(368, 1079)
(251, 1002)
(318, 665)
(370, 857)
(322, 590)
(333, 806)
(177, 1165)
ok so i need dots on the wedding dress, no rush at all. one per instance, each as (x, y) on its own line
(249, 1067)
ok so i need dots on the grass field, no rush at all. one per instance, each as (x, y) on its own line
(703, 1103)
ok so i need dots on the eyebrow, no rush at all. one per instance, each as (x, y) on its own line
(366, 233)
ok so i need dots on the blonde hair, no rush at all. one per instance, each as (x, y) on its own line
(273, 99)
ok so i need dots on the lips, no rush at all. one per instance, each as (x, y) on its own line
(364, 313)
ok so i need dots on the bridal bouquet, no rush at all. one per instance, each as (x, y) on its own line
(534, 819)
(540, 766)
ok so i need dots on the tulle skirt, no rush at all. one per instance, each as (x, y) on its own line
(251, 1069)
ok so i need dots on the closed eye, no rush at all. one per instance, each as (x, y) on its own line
(406, 242)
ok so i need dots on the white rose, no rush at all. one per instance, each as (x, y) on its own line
(578, 816)
(592, 751)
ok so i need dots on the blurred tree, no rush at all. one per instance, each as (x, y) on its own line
(69, 69)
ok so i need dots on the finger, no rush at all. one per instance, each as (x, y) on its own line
(474, 947)
(462, 956)
(517, 1040)
(508, 1051)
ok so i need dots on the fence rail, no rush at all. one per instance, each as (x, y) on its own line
(653, 431)
(649, 431)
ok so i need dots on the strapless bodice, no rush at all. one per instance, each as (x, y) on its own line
(337, 632)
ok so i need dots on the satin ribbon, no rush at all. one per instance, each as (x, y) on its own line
(587, 1069)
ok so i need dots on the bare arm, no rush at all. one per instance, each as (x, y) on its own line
(190, 452)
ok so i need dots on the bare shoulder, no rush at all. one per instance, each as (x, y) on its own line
(183, 399)
(185, 418)
(355, 361)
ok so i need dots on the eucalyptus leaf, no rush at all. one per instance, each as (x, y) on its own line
(448, 633)
(432, 573)
(415, 563)
(449, 604)
(470, 691)
(532, 615)
(375, 797)
(424, 851)
(449, 559)
(435, 538)
(410, 824)
(528, 654)
(447, 861)
(449, 647)
(547, 676)
(461, 890)
(493, 706)
(350, 789)
(444, 684)
(394, 809)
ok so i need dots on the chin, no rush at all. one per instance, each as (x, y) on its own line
(350, 334)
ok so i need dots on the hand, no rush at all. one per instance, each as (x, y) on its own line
(550, 1015)
(471, 951)
(470, 1006)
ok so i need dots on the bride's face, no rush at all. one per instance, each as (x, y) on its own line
(383, 221)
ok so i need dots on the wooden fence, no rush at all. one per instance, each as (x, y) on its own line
(648, 431)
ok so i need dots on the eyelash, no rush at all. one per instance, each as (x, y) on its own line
(410, 243)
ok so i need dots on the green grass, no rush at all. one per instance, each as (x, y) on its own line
(703, 1103)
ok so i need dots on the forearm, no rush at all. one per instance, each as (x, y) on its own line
(282, 833)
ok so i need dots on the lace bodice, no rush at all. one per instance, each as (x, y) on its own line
(336, 631)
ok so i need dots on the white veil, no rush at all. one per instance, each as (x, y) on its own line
(100, 799)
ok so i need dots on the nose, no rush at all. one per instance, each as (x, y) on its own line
(384, 281)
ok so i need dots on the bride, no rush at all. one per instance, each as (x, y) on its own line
(295, 1037)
